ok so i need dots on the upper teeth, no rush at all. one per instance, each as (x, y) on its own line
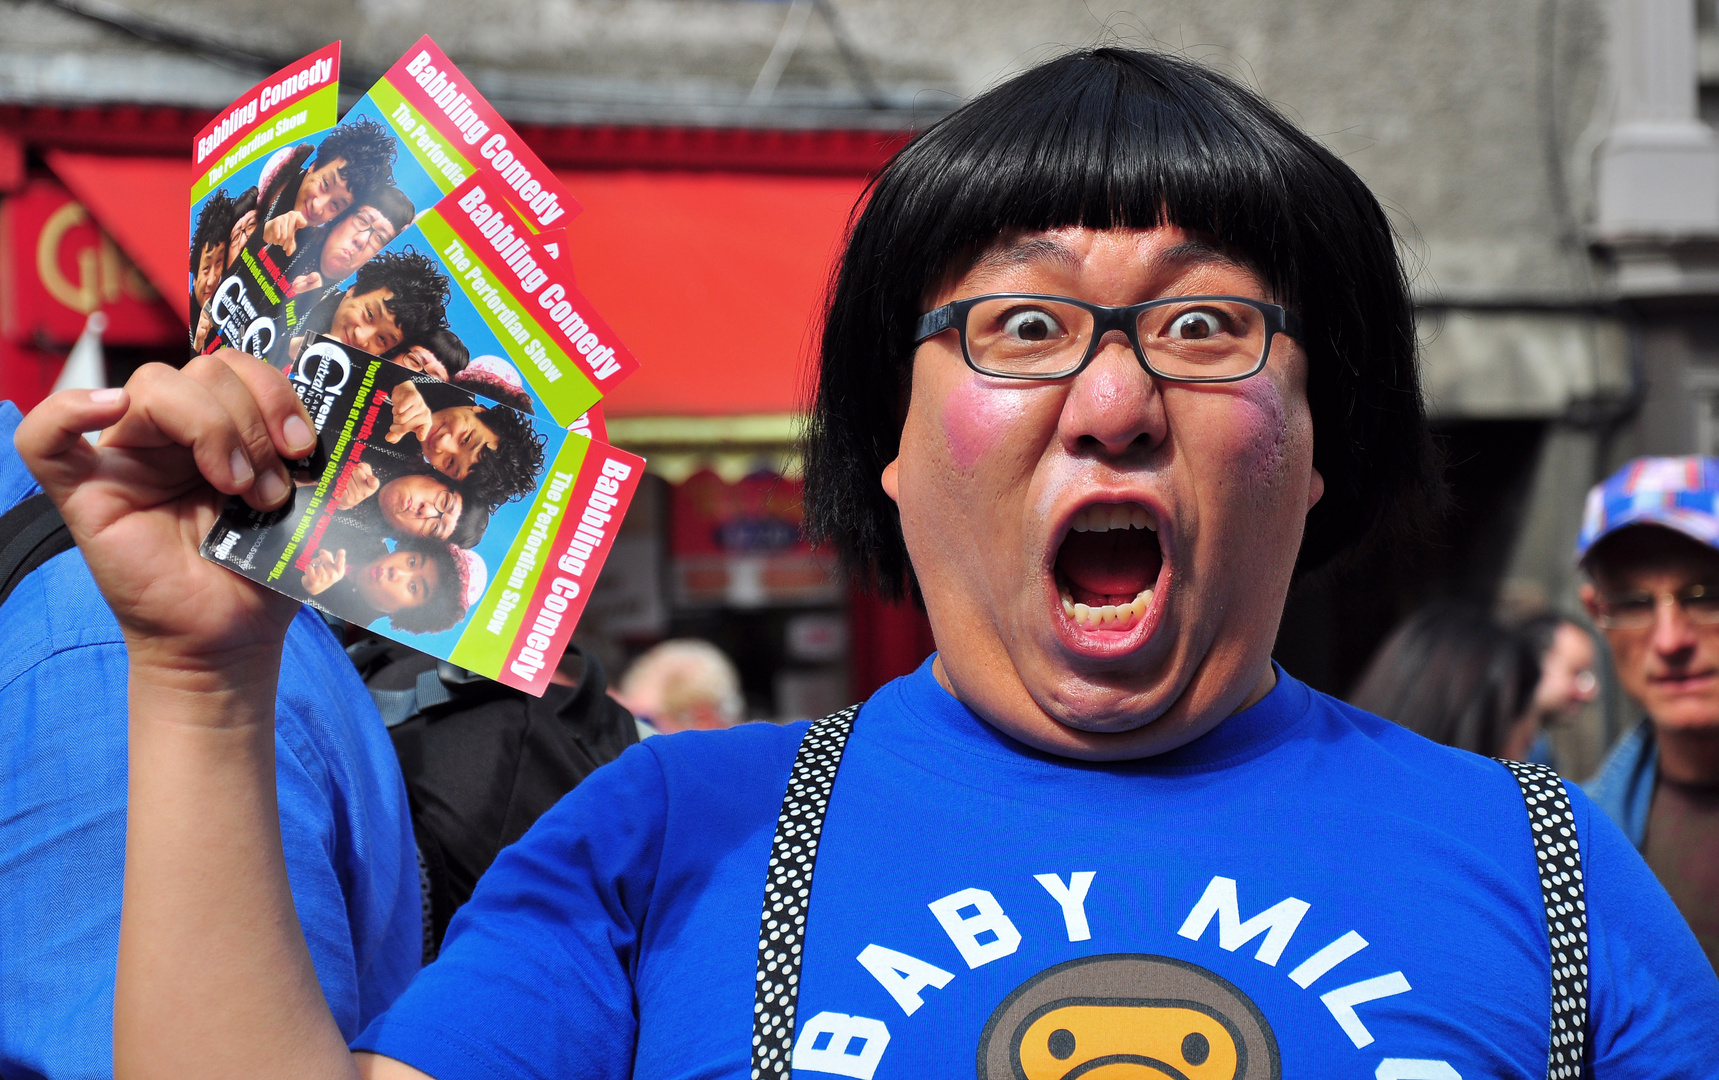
(1107, 516)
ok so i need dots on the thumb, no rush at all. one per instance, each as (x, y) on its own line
(51, 439)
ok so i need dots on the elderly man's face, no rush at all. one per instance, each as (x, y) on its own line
(1020, 499)
(1670, 665)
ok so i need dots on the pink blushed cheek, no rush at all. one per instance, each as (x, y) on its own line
(978, 418)
(1264, 429)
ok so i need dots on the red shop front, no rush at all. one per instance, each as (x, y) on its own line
(708, 250)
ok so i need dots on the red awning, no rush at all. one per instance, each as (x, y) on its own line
(714, 281)
(144, 204)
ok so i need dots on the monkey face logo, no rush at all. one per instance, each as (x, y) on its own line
(1127, 1017)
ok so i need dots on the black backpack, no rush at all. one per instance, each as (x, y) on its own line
(481, 761)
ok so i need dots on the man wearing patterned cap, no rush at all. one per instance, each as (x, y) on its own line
(1650, 546)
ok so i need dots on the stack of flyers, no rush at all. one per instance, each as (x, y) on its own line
(339, 232)
(406, 268)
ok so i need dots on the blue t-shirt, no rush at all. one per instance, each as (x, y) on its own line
(1306, 891)
(344, 822)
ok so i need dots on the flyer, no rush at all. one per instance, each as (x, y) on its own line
(269, 146)
(435, 517)
(465, 292)
(450, 134)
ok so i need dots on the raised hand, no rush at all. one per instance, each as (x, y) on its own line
(324, 571)
(411, 413)
(282, 230)
(361, 483)
(140, 501)
(306, 282)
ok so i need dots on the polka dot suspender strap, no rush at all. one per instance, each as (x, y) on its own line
(788, 889)
(1559, 861)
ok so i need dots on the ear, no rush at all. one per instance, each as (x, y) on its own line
(1315, 488)
(1591, 600)
(891, 480)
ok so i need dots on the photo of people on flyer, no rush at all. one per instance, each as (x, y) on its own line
(426, 505)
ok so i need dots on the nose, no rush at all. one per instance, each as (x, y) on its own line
(1672, 632)
(1113, 405)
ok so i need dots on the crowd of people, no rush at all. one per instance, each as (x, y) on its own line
(1115, 353)
(1649, 550)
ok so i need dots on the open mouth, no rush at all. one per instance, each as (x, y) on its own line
(1107, 566)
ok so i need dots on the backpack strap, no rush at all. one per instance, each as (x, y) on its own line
(788, 889)
(1559, 860)
(31, 533)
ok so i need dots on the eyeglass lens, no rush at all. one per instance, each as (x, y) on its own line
(1635, 611)
(1036, 337)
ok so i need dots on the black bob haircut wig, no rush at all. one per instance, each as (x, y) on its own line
(1119, 138)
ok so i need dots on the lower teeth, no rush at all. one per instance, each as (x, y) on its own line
(1112, 616)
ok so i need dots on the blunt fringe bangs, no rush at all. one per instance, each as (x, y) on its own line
(1120, 138)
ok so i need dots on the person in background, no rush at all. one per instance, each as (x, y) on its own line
(344, 824)
(1568, 683)
(1453, 674)
(1648, 541)
(682, 685)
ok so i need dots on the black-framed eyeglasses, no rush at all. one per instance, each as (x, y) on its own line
(1636, 610)
(1206, 339)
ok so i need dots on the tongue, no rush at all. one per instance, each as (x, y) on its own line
(1109, 567)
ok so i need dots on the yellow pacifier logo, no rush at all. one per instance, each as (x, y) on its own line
(1127, 1017)
(1163, 1041)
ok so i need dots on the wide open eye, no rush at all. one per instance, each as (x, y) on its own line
(1197, 325)
(1032, 325)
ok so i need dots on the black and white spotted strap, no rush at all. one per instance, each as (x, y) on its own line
(1559, 860)
(788, 889)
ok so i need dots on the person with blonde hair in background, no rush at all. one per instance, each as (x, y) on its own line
(682, 685)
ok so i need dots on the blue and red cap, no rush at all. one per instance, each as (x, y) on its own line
(1679, 493)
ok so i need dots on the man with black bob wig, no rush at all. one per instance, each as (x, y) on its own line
(1113, 352)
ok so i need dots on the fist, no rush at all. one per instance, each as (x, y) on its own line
(324, 571)
(411, 413)
(361, 483)
(282, 231)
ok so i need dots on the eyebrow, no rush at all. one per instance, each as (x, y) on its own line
(1189, 252)
(1022, 251)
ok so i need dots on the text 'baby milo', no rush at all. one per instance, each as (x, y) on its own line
(1127, 1017)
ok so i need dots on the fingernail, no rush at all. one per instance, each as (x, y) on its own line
(297, 434)
(241, 467)
(272, 487)
(106, 397)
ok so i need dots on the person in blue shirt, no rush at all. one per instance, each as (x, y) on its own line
(344, 828)
(1114, 351)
